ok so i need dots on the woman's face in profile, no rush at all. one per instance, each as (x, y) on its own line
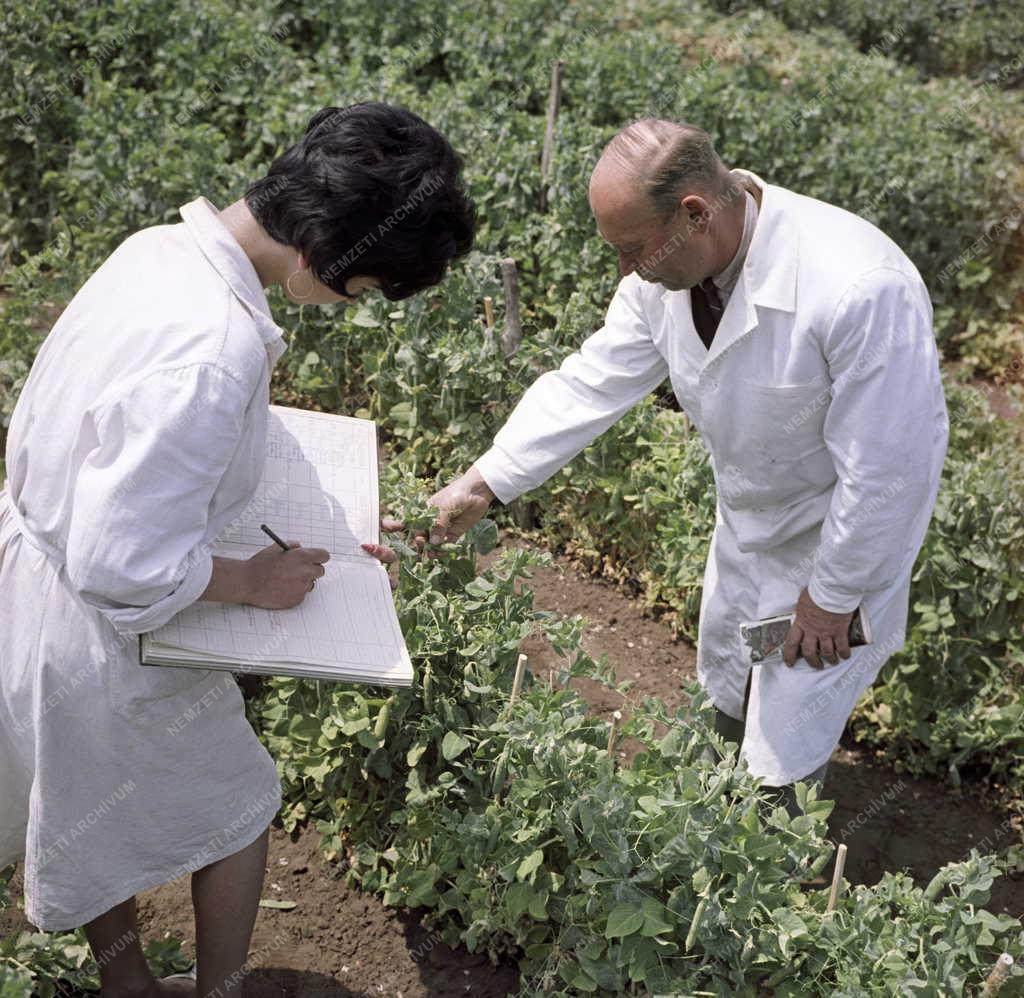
(321, 294)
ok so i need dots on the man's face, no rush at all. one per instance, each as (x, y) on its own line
(671, 250)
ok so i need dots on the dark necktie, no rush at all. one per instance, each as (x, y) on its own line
(707, 310)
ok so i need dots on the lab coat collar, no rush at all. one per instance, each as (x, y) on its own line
(228, 258)
(770, 269)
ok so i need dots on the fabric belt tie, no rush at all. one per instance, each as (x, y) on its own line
(56, 555)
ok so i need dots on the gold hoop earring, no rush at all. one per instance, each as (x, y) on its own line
(288, 284)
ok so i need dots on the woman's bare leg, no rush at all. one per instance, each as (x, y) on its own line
(225, 896)
(114, 939)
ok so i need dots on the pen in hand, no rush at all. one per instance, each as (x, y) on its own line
(270, 533)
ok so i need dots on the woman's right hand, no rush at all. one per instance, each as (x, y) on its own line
(281, 579)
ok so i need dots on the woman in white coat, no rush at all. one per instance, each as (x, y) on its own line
(138, 437)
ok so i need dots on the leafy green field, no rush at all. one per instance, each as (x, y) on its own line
(598, 876)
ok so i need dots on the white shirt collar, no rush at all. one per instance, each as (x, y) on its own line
(726, 279)
(228, 258)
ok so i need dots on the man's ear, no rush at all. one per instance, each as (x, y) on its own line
(698, 212)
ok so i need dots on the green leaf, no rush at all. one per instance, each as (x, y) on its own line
(517, 899)
(624, 920)
(654, 920)
(453, 745)
(789, 926)
(281, 905)
(529, 865)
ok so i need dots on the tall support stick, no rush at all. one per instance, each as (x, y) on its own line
(489, 319)
(513, 334)
(517, 683)
(837, 878)
(999, 976)
(554, 102)
(511, 338)
(613, 730)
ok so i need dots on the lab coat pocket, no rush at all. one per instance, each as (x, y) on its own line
(786, 421)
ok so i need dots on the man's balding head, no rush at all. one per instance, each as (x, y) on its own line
(664, 160)
(663, 198)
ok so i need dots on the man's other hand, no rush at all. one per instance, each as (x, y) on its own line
(460, 505)
(817, 634)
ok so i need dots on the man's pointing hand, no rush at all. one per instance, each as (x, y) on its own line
(460, 505)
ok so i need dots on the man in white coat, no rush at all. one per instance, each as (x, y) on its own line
(798, 338)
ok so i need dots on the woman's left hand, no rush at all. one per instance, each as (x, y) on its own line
(382, 552)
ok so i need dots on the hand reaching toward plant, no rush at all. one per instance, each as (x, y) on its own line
(461, 504)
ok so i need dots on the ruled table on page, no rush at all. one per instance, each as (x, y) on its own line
(319, 484)
(347, 619)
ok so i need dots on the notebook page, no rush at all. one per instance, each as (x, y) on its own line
(319, 485)
(348, 620)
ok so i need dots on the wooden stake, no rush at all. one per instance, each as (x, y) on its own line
(612, 730)
(522, 513)
(1000, 974)
(517, 683)
(554, 102)
(513, 334)
(837, 878)
(489, 312)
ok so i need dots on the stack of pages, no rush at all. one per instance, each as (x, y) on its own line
(319, 487)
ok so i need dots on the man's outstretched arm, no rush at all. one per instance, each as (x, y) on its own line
(561, 413)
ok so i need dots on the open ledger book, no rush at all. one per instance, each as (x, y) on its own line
(319, 487)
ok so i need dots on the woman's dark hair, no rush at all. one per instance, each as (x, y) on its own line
(369, 189)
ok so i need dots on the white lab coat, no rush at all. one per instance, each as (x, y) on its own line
(139, 436)
(821, 405)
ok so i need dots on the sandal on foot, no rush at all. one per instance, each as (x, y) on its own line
(189, 975)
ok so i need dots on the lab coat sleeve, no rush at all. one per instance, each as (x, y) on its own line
(565, 409)
(135, 546)
(885, 431)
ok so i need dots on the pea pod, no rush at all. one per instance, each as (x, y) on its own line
(717, 789)
(428, 688)
(691, 936)
(500, 770)
(818, 865)
(492, 839)
(382, 720)
(779, 976)
(936, 884)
